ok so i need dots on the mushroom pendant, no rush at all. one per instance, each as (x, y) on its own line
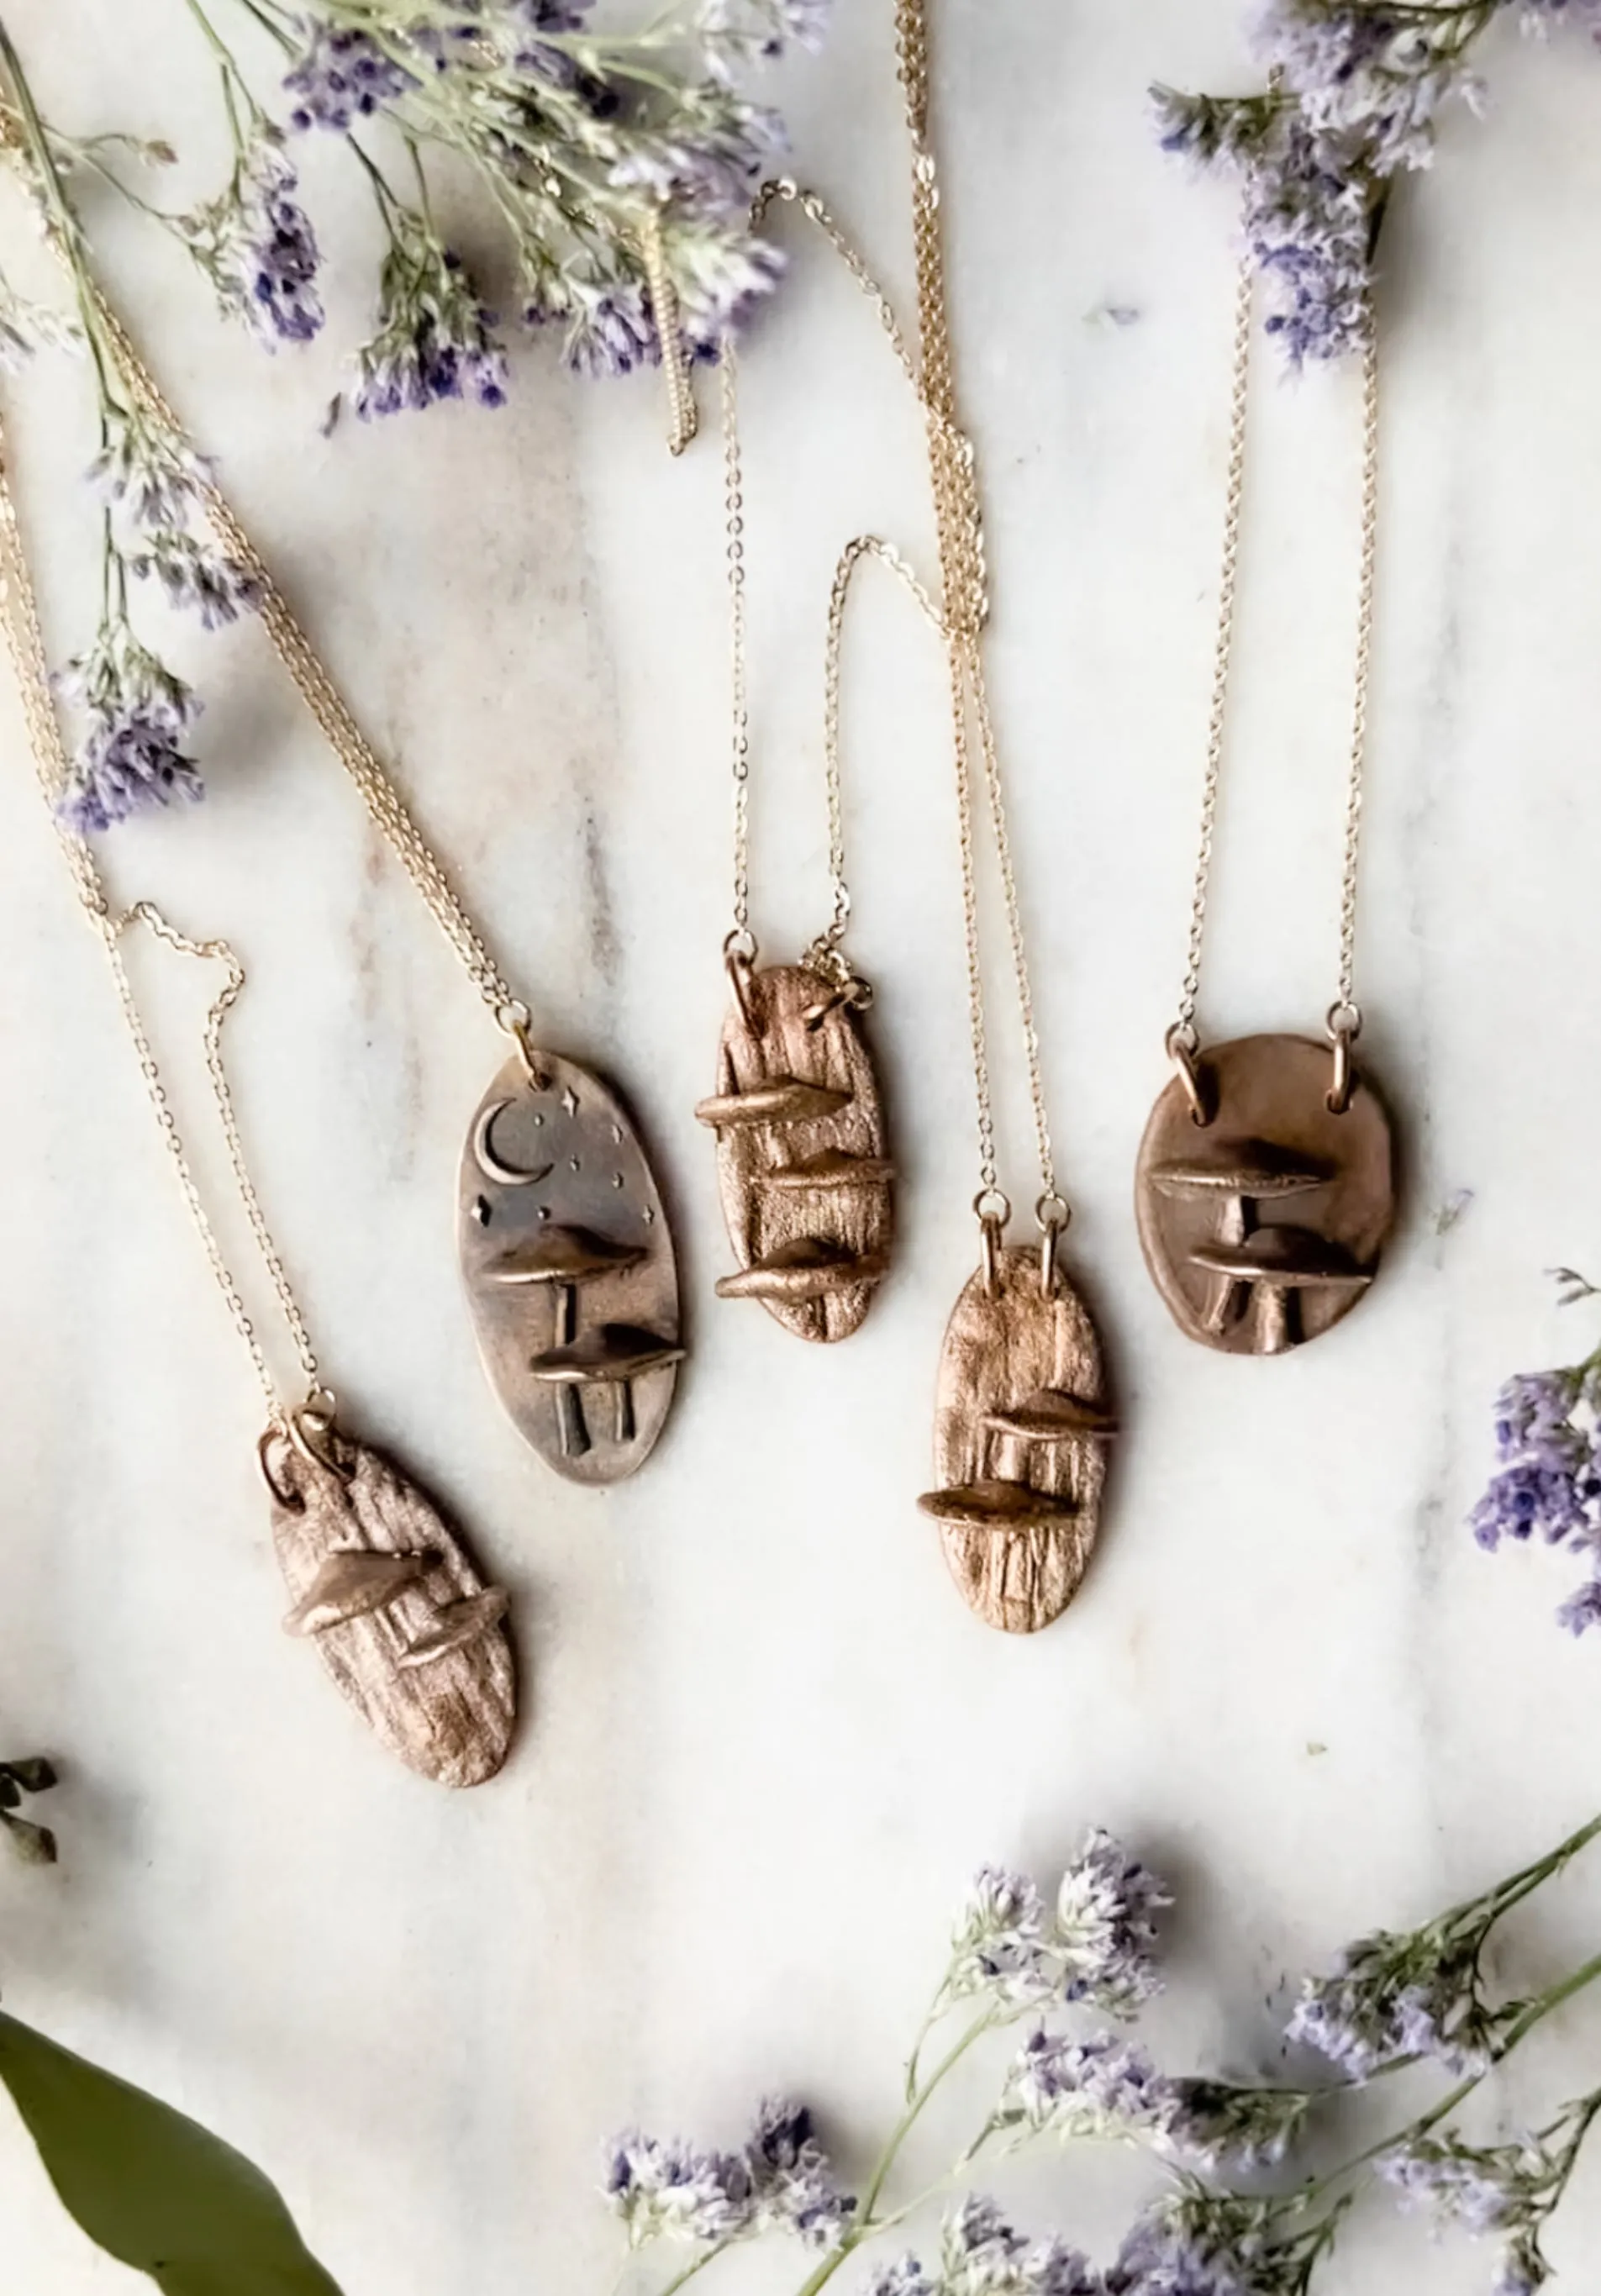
(802, 1158)
(1021, 1429)
(381, 1586)
(1265, 1195)
(570, 1268)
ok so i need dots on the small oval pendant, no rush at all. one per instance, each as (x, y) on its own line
(570, 1269)
(403, 1622)
(1021, 1436)
(802, 1153)
(1263, 1226)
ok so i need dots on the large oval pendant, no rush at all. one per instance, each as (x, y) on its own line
(1263, 1226)
(802, 1153)
(1021, 1434)
(570, 1269)
(382, 1584)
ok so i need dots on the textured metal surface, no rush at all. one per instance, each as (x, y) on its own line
(1021, 1436)
(570, 1269)
(1263, 1226)
(802, 1166)
(379, 1580)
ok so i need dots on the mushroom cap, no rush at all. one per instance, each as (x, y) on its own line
(1292, 1258)
(1255, 1168)
(1051, 1416)
(460, 1624)
(610, 1353)
(351, 1583)
(562, 1255)
(784, 1100)
(832, 1168)
(998, 1506)
(806, 1269)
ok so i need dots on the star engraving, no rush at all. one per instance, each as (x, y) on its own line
(570, 1101)
(481, 1211)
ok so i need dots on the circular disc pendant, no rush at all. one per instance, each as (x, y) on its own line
(1020, 1432)
(570, 1269)
(800, 1153)
(1263, 1226)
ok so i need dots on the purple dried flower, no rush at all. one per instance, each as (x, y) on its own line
(669, 2190)
(1394, 1999)
(131, 757)
(257, 246)
(1217, 2124)
(148, 473)
(905, 2277)
(435, 339)
(1000, 1942)
(1099, 2087)
(199, 579)
(1583, 1611)
(792, 2185)
(341, 75)
(1105, 1926)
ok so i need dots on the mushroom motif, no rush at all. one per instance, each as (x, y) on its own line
(356, 1582)
(460, 1623)
(993, 1504)
(1271, 1266)
(829, 1170)
(614, 1355)
(807, 1269)
(783, 1100)
(565, 1258)
(1239, 1175)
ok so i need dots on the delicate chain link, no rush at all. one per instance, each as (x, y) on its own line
(734, 507)
(327, 706)
(864, 546)
(24, 640)
(683, 416)
(1223, 661)
(1345, 1018)
(965, 610)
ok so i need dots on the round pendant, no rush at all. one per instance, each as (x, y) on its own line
(1263, 1226)
(801, 1157)
(1021, 1435)
(570, 1269)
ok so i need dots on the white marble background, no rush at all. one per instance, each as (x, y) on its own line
(765, 1742)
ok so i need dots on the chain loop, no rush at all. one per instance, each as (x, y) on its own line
(1223, 660)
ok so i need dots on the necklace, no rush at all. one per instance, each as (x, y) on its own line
(1276, 1121)
(378, 1577)
(1021, 1425)
(557, 1201)
(803, 1167)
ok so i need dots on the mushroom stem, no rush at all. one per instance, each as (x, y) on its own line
(1237, 1221)
(623, 1411)
(1228, 1298)
(569, 1408)
(1273, 1318)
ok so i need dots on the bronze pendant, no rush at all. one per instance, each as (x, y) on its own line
(1263, 1216)
(570, 1268)
(1021, 1433)
(383, 1586)
(802, 1152)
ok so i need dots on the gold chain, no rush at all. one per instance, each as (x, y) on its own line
(328, 708)
(1344, 1020)
(683, 416)
(24, 640)
(965, 613)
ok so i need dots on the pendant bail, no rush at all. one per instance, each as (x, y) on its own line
(993, 1207)
(313, 1430)
(739, 960)
(1344, 1024)
(1183, 1050)
(1053, 1213)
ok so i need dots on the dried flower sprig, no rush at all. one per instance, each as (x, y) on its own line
(1356, 92)
(35, 1844)
(1548, 1480)
(1395, 1999)
(587, 150)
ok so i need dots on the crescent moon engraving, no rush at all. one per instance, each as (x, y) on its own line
(505, 1176)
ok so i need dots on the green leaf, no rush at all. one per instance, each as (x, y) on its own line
(153, 2188)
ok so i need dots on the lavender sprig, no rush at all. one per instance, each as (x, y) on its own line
(1358, 89)
(1547, 1478)
(1202, 2237)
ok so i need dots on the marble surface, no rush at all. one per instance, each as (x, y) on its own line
(765, 1743)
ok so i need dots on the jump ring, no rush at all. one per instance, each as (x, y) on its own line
(1183, 1050)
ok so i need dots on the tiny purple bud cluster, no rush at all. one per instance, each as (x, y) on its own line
(342, 75)
(780, 2180)
(1548, 1481)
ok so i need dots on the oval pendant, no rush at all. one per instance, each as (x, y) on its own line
(1263, 1226)
(803, 1167)
(570, 1269)
(1021, 1436)
(403, 1622)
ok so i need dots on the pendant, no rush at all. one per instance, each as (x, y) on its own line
(570, 1269)
(402, 1620)
(801, 1157)
(1263, 1216)
(1021, 1432)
